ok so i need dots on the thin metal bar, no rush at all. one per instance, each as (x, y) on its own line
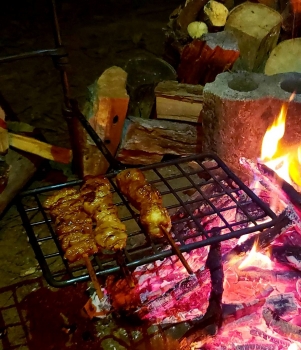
(230, 195)
(115, 164)
(58, 51)
(199, 226)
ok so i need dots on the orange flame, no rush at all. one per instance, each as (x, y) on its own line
(288, 164)
(256, 259)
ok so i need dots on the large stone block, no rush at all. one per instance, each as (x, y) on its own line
(239, 107)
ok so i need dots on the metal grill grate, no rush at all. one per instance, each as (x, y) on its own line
(201, 194)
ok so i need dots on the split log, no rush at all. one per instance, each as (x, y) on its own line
(182, 102)
(283, 58)
(217, 13)
(202, 60)
(3, 133)
(147, 141)
(255, 40)
(39, 148)
(106, 112)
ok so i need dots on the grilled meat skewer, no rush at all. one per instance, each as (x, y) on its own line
(110, 232)
(153, 216)
(73, 226)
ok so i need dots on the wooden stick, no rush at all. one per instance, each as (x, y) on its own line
(124, 269)
(42, 149)
(177, 250)
(93, 277)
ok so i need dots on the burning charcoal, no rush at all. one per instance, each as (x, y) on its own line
(209, 325)
(283, 304)
(289, 255)
(278, 342)
(232, 312)
(188, 297)
(281, 326)
(263, 239)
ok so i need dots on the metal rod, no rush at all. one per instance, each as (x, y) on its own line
(177, 250)
(45, 52)
(115, 164)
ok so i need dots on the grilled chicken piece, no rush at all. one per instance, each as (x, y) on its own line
(133, 184)
(84, 227)
(73, 238)
(73, 226)
(110, 232)
(79, 217)
(63, 193)
(76, 251)
(58, 212)
(153, 217)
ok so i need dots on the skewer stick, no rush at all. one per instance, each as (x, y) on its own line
(176, 250)
(93, 276)
(127, 274)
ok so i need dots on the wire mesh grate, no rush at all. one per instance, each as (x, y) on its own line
(202, 195)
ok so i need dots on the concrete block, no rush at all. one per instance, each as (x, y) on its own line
(239, 107)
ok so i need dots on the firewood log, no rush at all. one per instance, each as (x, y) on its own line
(284, 58)
(255, 40)
(147, 141)
(182, 102)
(106, 111)
(217, 13)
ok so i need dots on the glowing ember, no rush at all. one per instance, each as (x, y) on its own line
(286, 163)
(256, 259)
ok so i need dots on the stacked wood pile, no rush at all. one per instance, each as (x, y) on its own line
(257, 27)
(204, 38)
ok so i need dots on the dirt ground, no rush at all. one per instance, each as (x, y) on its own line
(97, 34)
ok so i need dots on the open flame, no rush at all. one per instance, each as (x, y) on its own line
(256, 259)
(286, 163)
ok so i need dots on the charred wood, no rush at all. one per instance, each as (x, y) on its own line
(289, 255)
(293, 195)
(280, 326)
(263, 239)
(209, 325)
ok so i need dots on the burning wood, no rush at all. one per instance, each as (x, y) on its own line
(209, 325)
(281, 326)
(262, 239)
